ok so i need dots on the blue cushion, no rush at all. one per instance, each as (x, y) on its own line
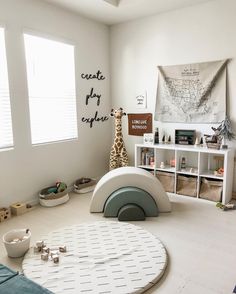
(11, 283)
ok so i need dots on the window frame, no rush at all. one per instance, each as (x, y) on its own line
(3, 26)
(50, 37)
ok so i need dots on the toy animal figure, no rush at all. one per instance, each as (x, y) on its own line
(118, 154)
(216, 138)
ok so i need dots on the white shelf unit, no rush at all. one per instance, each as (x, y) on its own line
(201, 162)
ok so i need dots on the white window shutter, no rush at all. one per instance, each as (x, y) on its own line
(51, 88)
(6, 136)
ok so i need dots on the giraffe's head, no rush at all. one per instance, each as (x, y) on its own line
(117, 113)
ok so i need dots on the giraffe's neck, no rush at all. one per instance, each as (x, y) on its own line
(118, 129)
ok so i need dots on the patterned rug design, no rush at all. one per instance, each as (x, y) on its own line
(103, 257)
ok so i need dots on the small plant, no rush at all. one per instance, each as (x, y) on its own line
(225, 129)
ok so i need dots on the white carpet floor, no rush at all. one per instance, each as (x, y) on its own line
(200, 240)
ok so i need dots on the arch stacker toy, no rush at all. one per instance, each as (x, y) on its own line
(129, 193)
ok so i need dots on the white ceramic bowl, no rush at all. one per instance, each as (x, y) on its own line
(17, 249)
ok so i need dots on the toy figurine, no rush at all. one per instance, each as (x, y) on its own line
(229, 206)
(162, 165)
(118, 154)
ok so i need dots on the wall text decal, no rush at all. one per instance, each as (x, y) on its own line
(97, 76)
(93, 95)
(91, 120)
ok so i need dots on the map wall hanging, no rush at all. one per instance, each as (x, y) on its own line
(192, 93)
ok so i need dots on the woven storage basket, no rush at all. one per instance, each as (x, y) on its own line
(84, 185)
(187, 186)
(167, 180)
(211, 190)
(52, 199)
(213, 145)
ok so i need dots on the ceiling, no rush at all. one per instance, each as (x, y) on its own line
(117, 11)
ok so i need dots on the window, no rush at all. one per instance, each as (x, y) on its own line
(51, 87)
(6, 137)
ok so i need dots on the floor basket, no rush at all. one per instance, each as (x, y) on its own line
(52, 199)
(84, 185)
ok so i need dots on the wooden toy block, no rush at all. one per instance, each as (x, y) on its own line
(46, 249)
(30, 207)
(5, 214)
(55, 258)
(18, 208)
(44, 256)
(62, 248)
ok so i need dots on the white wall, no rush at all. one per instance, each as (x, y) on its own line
(26, 169)
(199, 33)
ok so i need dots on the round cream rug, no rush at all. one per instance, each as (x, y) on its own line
(102, 257)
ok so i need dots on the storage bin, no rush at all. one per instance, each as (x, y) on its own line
(19, 248)
(52, 199)
(211, 189)
(187, 186)
(84, 185)
(167, 180)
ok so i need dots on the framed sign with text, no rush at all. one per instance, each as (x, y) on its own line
(139, 123)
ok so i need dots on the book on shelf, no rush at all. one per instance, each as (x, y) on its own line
(147, 157)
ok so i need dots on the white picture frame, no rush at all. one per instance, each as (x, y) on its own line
(148, 138)
(141, 100)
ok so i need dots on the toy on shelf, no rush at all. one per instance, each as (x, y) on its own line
(4, 214)
(156, 136)
(172, 162)
(183, 163)
(84, 185)
(219, 170)
(214, 141)
(197, 142)
(54, 195)
(201, 142)
(162, 165)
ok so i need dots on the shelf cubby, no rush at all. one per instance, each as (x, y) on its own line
(199, 163)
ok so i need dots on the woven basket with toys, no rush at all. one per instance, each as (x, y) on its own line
(54, 195)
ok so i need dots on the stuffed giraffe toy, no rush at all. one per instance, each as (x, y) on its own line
(118, 155)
